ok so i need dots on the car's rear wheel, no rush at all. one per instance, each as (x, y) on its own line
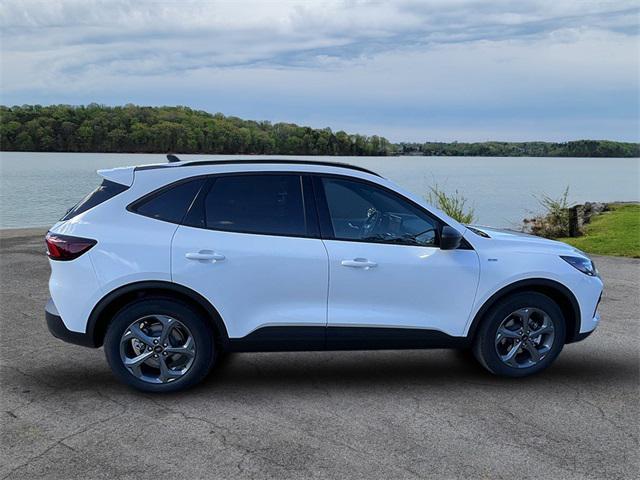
(159, 345)
(521, 335)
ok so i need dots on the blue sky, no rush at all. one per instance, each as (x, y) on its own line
(409, 70)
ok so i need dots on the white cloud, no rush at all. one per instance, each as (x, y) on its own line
(403, 63)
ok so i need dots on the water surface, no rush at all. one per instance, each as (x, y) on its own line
(37, 188)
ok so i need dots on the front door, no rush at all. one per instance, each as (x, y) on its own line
(385, 268)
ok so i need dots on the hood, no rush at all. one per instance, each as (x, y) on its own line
(524, 241)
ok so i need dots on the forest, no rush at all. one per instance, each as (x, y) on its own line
(578, 148)
(136, 129)
(140, 129)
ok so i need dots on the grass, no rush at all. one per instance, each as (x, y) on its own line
(454, 205)
(616, 232)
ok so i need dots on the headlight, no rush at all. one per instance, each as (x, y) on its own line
(585, 265)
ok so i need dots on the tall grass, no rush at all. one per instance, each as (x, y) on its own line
(554, 222)
(454, 205)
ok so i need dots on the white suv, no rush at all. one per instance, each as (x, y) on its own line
(170, 265)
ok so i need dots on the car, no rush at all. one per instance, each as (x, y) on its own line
(170, 265)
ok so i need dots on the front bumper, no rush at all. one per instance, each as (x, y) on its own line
(59, 330)
(595, 321)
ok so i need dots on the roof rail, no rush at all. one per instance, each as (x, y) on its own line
(187, 163)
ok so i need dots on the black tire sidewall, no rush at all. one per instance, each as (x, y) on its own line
(484, 345)
(191, 318)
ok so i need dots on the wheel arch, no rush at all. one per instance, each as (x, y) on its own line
(109, 305)
(560, 294)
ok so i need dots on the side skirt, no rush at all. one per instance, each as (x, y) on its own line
(296, 339)
(374, 338)
(280, 339)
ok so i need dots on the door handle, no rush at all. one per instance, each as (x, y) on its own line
(359, 263)
(205, 255)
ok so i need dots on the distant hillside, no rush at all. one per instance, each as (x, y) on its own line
(578, 148)
(136, 129)
(96, 128)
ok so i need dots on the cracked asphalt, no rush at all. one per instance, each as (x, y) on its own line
(389, 414)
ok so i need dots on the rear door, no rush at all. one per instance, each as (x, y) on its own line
(250, 246)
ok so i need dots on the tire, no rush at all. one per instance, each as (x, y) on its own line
(507, 339)
(136, 334)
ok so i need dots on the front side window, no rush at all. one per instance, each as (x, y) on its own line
(171, 203)
(264, 204)
(364, 212)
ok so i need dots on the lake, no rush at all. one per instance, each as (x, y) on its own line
(37, 188)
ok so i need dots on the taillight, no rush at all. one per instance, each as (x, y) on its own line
(66, 247)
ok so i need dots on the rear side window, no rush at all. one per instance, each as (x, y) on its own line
(104, 192)
(264, 204)
(170, 204)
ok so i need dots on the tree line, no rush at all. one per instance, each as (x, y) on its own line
(136, 129)
(578, 148)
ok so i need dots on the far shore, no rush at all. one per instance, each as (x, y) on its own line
(337, 158)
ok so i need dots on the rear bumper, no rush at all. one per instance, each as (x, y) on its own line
(59, 330)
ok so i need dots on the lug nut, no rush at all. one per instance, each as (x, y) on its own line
(155, 341)
(164, 353)
(155, 355)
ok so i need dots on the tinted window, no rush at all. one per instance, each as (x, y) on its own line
(171, 203)
(364, 212)
(104, 192)
(269, 204)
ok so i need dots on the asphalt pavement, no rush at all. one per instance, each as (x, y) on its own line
(384, 414)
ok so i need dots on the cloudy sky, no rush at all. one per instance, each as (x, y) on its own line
(406, 69)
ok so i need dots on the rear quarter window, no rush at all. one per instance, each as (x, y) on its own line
(104, 192)
(170, 203)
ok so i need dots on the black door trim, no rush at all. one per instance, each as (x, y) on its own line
(317, 338)
(389, 338)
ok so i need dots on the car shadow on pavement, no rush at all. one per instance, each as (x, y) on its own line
(399, 368)
(356, 370)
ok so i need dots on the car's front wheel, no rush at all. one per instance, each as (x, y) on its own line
(521, 335)
(159, 345)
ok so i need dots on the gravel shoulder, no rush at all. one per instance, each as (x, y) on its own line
(390, 414)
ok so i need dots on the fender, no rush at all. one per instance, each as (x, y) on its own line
(558, 292)
(109, 305)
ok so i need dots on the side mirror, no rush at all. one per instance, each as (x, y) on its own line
(450, 238)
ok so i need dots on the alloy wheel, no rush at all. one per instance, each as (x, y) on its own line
(525, 337)
(157, 349)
